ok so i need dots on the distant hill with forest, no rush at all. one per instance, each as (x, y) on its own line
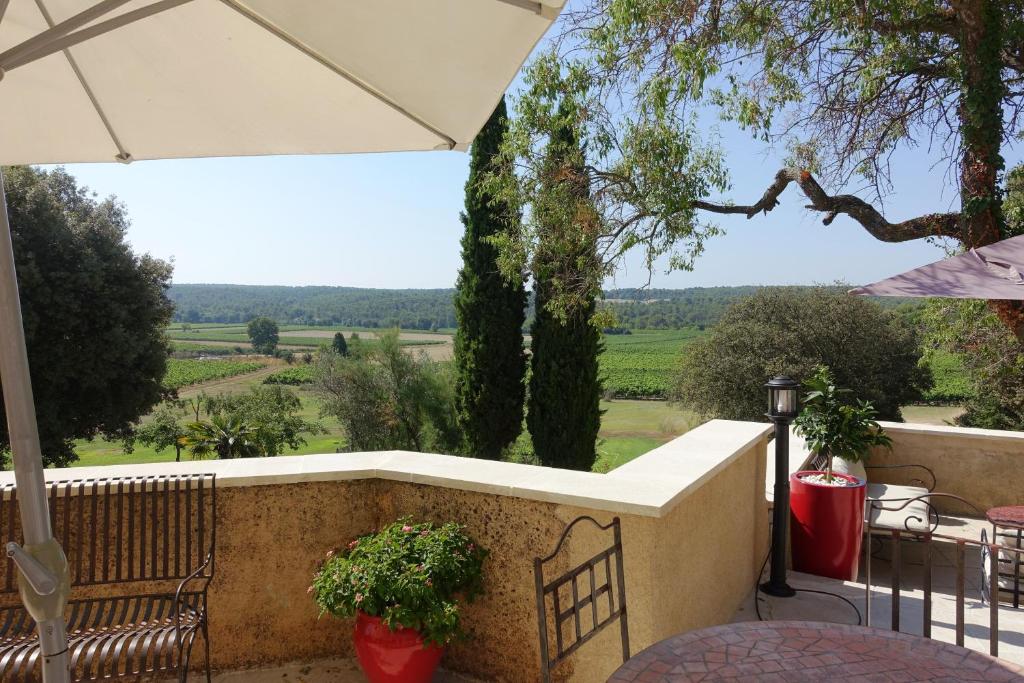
(426, 309)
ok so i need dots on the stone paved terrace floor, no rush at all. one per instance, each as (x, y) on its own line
(323, 671)
(818, 607)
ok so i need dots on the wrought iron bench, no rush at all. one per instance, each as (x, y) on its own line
(141, 556)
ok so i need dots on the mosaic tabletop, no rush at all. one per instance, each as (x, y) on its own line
(809, 651)
(1009, 515)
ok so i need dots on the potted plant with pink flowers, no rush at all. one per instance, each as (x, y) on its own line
(404, 585)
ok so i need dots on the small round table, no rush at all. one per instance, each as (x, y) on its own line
(809, 651)
(1009, 517)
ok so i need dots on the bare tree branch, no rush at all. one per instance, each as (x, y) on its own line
(929, 225)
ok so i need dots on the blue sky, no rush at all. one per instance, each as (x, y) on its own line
(392, 221)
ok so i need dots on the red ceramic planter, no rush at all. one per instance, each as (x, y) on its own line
(827, 525)
(388, 656)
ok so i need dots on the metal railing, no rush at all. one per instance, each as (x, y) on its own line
(926, 539)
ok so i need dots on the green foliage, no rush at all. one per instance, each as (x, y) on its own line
(836, 425)
(840, 83)
(1013, 205)
(388, 399)
(267, 418)
(339, 345)
(183, 373)
(410, 309)
(412, 575)
(791, 332)
(163, 430)
(642, 364)
(564, 413)
(490, 364)
(94, 312)
(994, 360)
(297, 376)
(224, 436)
(263, 335)
(952, 379)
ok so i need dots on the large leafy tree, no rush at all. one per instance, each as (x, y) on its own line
(841, 83)
(94, 311)
(564, 413)
(490, 363)
(263, 335)
(781, 331)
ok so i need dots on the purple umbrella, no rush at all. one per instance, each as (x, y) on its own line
(992, 272)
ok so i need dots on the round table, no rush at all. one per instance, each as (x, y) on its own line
(809, 651)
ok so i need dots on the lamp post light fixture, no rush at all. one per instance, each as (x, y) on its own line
(782, 410)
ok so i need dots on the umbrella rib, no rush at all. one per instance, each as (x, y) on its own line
(59, 30)
(324, 61)
(122, 153)
(63, 42)
(3, 8)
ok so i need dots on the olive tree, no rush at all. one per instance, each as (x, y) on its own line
(840, 84)
(389, 399)
(789, 331)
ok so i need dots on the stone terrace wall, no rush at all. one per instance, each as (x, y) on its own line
(694, 524)
(984, 466)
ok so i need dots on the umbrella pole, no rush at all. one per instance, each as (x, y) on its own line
(43, 578)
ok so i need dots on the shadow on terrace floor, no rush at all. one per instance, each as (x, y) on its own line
(819, 607)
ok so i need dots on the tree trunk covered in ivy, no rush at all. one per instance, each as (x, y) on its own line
(981, 124)
(491, 310)
(564, 411)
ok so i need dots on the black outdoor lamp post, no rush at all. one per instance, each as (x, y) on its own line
(782, 410)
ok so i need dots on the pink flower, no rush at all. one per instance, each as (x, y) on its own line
(425, 532)
(472, 547)
(406, 528)
(353, 544)
(359, 598)
(330, 554)
(309, 590)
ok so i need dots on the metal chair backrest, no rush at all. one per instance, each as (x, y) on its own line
(598, 569)
(125, 529)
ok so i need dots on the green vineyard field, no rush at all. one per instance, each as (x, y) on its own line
(183, 373)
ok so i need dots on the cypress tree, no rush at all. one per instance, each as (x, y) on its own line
(490, 363)
(564, 412)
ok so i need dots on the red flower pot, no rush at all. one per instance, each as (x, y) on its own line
(827, 525)
(388, 656)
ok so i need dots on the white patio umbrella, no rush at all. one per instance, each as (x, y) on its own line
(88, 80)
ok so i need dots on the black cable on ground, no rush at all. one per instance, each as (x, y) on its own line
(757, 592)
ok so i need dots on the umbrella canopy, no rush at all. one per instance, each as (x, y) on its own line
(238, 77)
(992, 272)
(105, 80)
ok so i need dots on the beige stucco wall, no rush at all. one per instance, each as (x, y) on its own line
(983, 466)
(690, 551)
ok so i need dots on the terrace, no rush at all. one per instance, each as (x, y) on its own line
(695, 529)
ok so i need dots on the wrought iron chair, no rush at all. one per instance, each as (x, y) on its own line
(616, 598)
(141, 556)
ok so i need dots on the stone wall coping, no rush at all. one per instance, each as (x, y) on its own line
(951, 431)
(649, 486)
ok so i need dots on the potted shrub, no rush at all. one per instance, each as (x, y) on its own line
(403, 584)
(827, 508)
